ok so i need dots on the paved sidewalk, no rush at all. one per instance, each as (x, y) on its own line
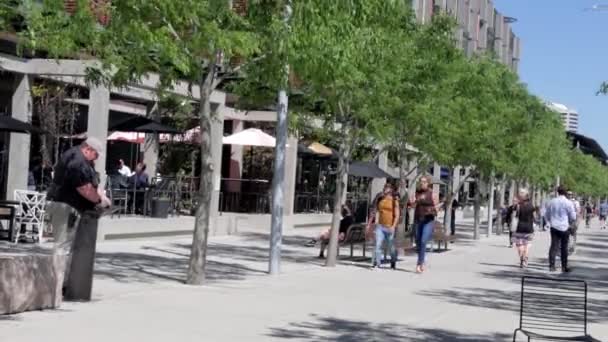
(470, 293)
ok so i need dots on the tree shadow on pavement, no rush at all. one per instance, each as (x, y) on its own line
(225, 262)
(146, 268)
(320, 328)
(507, 298)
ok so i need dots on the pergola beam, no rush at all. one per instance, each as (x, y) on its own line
(74, 72)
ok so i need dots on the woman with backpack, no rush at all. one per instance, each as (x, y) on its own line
(425, 204)
(385, 213)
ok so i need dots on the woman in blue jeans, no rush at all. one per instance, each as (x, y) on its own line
(425, 204)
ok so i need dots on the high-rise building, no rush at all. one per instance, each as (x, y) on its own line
(481, 27)
(569, 116)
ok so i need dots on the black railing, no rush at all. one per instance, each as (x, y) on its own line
(313, 203)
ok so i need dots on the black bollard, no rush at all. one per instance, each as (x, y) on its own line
(79, 285)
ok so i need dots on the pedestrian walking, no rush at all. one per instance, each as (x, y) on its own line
(588, 215)
(383, 218)
(579, 211)
(510, 221)
(524, 231)
(603, 214)
(74, 190)
(559, 215)
(425, 212)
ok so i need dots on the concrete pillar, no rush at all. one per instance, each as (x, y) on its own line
(436, 178)
(236, 159)
(97, 125)
(291, 168)
(378, 183)
(151, 143)
(19, 146)
(512, 192)
(413, 163)
(217, 133)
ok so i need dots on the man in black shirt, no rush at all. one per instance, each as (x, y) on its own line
(73, 192)
(76, 182)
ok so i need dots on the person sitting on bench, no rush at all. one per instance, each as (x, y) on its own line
(346, 221)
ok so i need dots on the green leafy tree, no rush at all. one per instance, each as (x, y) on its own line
(186, 40)
(343, 52)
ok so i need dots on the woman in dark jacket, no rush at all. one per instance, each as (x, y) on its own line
(524, 233)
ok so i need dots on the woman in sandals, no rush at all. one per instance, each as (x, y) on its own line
(425, 204)
(524, 233)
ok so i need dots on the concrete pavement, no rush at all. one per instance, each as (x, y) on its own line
(470, 293)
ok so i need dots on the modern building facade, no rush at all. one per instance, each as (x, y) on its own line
(569, 116)
(481, 28)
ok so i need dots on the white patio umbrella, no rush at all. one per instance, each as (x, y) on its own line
(132, 137)
(251, 137)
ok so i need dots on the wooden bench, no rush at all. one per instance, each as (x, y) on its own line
(553, 309)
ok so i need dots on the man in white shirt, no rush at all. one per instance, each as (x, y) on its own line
(560, 215)
(124, 169)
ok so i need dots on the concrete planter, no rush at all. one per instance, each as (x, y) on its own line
(28, 279)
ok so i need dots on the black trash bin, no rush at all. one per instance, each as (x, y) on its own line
(160, 207)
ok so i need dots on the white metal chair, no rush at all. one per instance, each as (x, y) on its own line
(29, 221)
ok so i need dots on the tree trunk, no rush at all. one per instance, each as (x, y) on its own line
(476, 211)
(451, 193)
(512, 190)
(341, 186)
(198, 254)
(402, 189)
(411, 190)
(500, 204)
(490, 203)
(449, 197)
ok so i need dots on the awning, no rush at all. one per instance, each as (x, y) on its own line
(320, 149)
(588, 146)
(155, 127)
(10, 124)
(131, 137)
(127, 122)
(191, 136)
(367, 170)
(317, 150)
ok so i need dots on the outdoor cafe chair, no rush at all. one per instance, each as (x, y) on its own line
(553, 309)
(118, 195)
(29, 220)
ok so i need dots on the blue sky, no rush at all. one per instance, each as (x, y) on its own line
(565, 56)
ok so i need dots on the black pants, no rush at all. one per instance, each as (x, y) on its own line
(559, 240)
(453, 224)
